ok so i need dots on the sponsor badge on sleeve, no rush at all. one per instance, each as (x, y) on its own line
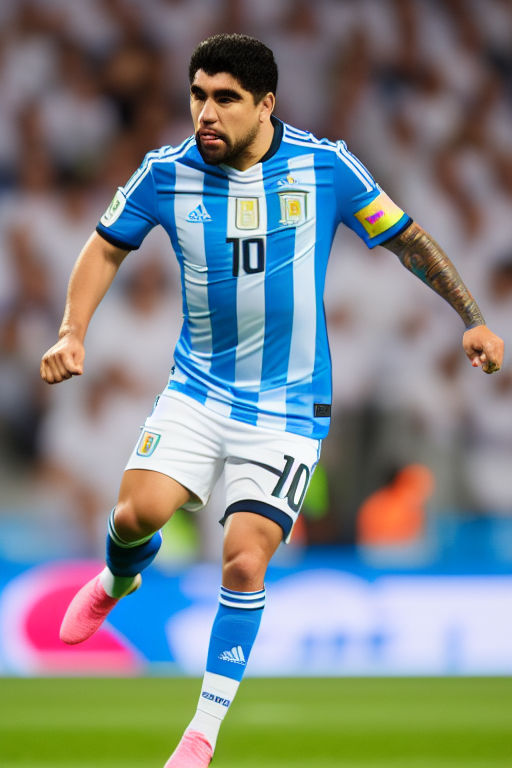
(114, 210)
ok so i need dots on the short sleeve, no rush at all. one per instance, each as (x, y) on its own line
(362, 205)
(133, 211)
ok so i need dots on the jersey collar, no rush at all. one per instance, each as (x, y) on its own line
(276, 139)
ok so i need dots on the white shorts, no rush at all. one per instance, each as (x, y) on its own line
(265, 471)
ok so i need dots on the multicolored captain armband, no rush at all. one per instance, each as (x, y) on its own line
(379, 215)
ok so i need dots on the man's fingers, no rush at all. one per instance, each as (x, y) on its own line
(72, 364)
(45, 372)
(61, 368)
(53, 371)
(57, 366)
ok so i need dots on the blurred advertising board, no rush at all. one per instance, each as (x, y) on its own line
(318, 621)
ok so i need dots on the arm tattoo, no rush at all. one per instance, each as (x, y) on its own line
(424, 258)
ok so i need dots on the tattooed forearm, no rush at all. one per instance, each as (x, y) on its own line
(425, 258)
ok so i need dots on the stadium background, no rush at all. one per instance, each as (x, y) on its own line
(407, 529)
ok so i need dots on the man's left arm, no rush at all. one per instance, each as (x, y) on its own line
(422, 256)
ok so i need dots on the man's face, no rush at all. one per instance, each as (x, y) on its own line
(226, 119)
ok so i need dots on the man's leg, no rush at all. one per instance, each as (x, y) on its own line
(146, 501)
(250, 540)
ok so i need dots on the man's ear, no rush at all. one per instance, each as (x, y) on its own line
(267, 105)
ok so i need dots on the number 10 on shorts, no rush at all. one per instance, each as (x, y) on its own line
(292, 487)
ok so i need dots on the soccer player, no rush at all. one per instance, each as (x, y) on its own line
(251, 206)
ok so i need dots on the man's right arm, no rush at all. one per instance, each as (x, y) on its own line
(90, 279)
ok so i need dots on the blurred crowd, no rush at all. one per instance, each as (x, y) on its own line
(421, 90)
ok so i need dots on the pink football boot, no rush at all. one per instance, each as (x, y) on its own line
(193, 751)
(88, 610)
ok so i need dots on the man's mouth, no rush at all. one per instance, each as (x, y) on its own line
(210, 138)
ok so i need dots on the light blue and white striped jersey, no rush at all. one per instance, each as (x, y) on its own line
(253, 247)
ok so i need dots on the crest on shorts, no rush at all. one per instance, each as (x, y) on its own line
(147, 443)
(247, 213)
(293, 208)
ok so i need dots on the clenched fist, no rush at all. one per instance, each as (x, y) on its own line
(483, 348)
(64, 360)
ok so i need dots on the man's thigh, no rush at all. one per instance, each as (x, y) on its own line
(178, 440)
(146, 501)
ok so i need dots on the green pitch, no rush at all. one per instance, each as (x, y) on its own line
(335, 723)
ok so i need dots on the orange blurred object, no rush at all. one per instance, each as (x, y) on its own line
(395, 514)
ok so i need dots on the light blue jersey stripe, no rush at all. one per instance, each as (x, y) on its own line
(322, 382)
(221, 291)
(279, 317)
(303, 346)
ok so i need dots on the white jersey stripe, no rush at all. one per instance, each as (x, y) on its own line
(195, 274)
(250, 289)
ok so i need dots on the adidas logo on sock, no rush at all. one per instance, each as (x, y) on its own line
(235, 655)
(199, 214)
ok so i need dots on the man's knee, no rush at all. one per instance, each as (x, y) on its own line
(134, 521)
(250, 540)
(146, 502)
(244, 570)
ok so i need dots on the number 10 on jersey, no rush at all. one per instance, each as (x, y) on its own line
(248, 255)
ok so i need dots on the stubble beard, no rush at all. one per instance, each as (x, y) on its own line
(230, 152)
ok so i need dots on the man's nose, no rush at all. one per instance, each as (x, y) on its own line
(208, 113)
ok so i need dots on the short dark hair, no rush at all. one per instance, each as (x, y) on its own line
(245, 58)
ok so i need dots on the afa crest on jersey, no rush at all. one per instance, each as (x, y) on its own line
(293, 208)
(247, 213)
(147, 443)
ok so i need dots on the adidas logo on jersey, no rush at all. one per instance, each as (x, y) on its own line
(199, 214)
(235, 655)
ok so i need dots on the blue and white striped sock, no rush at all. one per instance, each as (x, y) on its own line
(233, 634)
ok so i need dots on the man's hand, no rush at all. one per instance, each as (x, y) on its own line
(483, 348)
(64, 360)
